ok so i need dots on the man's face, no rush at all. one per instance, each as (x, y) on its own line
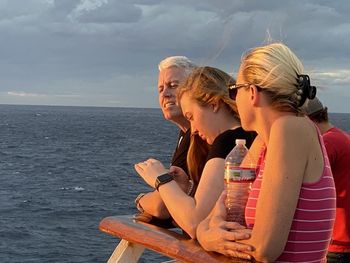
(168, 81)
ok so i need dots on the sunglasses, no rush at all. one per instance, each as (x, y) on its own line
(233, 89)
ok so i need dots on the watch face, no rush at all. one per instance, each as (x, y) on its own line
(162, 179)
(165, 178)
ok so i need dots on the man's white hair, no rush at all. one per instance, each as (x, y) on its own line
(177, 61)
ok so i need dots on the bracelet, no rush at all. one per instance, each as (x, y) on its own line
(137, 202)
(190, 188)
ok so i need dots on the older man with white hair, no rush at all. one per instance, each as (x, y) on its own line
(172, 71)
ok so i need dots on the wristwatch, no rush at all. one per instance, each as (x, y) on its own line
(163, 179)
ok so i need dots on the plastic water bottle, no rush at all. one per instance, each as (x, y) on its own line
(238, 180)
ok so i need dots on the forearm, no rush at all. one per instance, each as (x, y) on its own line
(183, 208)
(153, 204)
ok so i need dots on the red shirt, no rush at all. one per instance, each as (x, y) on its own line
(337, 143)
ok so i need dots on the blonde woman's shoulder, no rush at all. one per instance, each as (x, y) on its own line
(294, 128)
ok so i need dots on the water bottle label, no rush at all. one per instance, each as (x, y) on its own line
(239, 174)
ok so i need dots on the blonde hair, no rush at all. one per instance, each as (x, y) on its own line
(206, 85)
(275, 69)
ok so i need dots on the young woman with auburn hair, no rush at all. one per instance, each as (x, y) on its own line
(213, 116)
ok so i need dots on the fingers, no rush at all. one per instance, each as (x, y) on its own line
(237, 235)
(143, 165)
(139, 167)
(237, 247)
(238, 254)
(175, 169)
(233, 226)
(151, 160)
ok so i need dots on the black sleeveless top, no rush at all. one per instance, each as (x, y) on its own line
(225, 142)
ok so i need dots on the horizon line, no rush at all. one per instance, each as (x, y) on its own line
(96, 106)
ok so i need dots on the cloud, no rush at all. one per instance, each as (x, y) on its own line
(36, 95)
(112, 47)
(104, 11)
(24, 94)
(334, 78)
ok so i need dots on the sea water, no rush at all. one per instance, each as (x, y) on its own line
(63, 169)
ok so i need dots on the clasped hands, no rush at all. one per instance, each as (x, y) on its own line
(150, 169)
(216, 234)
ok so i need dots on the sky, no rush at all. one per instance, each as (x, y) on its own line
(106, 52)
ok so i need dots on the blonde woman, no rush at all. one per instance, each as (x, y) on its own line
(206, 104)
(291, 207)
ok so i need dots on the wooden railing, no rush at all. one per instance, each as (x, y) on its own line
(138, 236)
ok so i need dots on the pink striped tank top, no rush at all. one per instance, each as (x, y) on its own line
(312, 225)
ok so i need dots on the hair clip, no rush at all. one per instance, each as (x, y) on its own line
(305, 90)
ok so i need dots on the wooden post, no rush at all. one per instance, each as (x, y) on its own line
(126, 252)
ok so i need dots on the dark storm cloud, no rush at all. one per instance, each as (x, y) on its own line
(95, 47)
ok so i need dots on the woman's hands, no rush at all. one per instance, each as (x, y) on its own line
(180, 177)
(149, 170)
(216, 234)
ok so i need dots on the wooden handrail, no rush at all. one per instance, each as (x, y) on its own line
(136, 236)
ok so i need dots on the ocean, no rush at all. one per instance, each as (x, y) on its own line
(63, 169)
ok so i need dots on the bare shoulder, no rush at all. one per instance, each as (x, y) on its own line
(294, 128)
(296, 136)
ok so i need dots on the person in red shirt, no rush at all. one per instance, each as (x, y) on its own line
(337, 143)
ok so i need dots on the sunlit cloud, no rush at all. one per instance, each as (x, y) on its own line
(38, 95)
(25, 94)
(88, 5)
(85, 6)
(336, 77)
(338, 74)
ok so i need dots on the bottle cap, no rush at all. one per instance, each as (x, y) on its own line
(240, 141)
